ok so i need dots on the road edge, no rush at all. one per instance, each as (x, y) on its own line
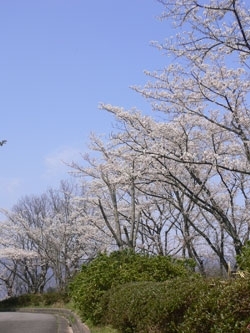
(73, 320)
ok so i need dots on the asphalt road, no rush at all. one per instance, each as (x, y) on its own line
(20, 322)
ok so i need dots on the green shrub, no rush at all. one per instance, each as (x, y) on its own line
(54, 297)
(151, 306)
(184, 305)
(22, 301)
(106, 271)
(222, 307)
(243, 260)
(32, 300)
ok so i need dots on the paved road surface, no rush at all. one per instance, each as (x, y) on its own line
(19, 322)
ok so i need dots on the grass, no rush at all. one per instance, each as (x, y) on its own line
(103, 330)
(97, 329)
(93, 329)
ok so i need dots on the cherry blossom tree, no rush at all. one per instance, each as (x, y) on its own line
(201, 145)
(111, 192)
(44, 239)
(123, 210)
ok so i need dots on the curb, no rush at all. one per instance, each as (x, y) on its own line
(73, 320)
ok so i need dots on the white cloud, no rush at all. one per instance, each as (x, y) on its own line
(57, 162)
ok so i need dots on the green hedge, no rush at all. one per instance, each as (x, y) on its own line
(182, 305)
(151, 306)
(107, 271)
(30, 300)
(224, 306)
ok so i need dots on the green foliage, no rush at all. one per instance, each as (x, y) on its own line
(100, 328)
(182, 305)
(22, 301)
(222, 307)
(55, 298)
(187, 303)
(33, 300)
(107, 271)
(150, 306)
(243, 260)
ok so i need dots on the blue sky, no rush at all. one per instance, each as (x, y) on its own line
(59, 59)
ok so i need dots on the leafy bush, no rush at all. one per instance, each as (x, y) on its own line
(184, 305)
(54, 298)
(223, 307)
(22, 301)
(29, 300)
(151, 306)
(243, 260)
(106, 271)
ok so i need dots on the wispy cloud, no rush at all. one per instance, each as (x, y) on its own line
(57, 163)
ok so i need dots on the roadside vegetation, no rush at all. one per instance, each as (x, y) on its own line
(131, 293)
